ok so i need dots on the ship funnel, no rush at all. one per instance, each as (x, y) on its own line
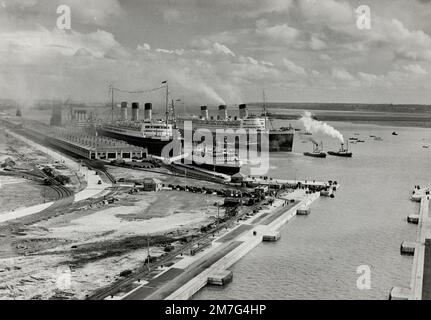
(148, 110)
(124, 110)
(222, 112)
(243, 112)
(135, 111)
(204, 113)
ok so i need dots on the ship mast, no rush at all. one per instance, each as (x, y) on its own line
(112, 102)
(167, 100)
(264, 109)
(174, 116)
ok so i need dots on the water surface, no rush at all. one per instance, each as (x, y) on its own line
(317, 256)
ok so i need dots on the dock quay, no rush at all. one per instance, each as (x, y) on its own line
(191, 273)
(271, 236)
(220, 278)
(303, 210)
(420, 282)
(407, 248)
(413, 218)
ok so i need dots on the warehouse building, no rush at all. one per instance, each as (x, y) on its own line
(92, 146)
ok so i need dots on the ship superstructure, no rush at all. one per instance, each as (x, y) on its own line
(149, 133)
(279, 139)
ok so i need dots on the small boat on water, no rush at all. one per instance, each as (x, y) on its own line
(343, 152)
(353, 139)
(394, 133)
(360, 140)
(317, 152)
(426, 147)
(372, 136)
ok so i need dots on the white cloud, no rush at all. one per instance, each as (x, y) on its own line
(317, 44)
(341, 74)
(282, 32)
(220, 48)
(144, 47)
(329, 12)
(44, 42)
(415, 68)
(413, 45)
(171, 15)
(248, 60)
(292, 67)
(93, 12)
(325, 57)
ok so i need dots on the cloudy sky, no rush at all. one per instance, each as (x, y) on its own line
(218, 50)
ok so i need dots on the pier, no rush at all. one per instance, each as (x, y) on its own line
(191, 273)
(420, 282)
(421, 272)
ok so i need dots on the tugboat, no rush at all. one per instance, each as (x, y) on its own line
(343, 152)
(317, 152)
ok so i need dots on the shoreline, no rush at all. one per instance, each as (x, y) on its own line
(189, 275)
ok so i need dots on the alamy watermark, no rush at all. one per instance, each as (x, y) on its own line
(224, 147)
(64, 20)
(363, 17)
(363, 282)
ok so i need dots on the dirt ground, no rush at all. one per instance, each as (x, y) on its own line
(18, 192)
(125, 173)
(71, 255)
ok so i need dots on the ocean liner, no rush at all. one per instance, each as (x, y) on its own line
(279, 139)
(218, 160)
(156, 134)
(151, 134)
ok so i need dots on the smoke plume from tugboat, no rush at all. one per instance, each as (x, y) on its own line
(314, 126)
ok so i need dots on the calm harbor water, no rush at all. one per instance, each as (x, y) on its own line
(318, 255)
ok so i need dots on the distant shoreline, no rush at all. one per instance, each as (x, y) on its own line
(417, 120)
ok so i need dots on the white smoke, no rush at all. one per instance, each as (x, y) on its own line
(314, 126)
(195, 85)
(210, 93)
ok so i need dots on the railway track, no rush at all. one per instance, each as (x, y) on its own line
(37, 174)
(144, 271)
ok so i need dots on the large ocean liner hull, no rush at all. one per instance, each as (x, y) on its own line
(280, 141)
(153, 146)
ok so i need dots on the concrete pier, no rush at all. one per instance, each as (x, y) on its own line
(271, 236)
(420, 283)
(248, 240)
(398, 293)
(191, 273)
(413, 218)
(303, 210)
(220, 278)
(407, 248)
